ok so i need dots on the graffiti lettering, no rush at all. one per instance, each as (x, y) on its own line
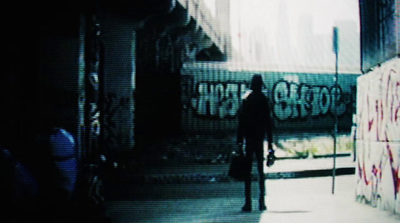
(378, 131)
(221, 100)
(292, 100)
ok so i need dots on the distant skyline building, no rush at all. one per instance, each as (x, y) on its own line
(286, 33)
(222, 14)
(284, 48)
(305, 36)
(349, 44)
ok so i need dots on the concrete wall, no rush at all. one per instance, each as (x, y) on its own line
(380, 37)
(378, 137)
(300, 102)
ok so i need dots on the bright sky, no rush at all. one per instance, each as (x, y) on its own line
(271, 31)
(276, 32)
(265, 14)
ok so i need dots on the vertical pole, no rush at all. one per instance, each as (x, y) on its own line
(336, 50)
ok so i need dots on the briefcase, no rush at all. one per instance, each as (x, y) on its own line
(238, 168)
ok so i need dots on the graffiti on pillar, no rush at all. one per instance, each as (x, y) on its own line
(293, 100)
(113, 108)
(93, 78)
(378, 137)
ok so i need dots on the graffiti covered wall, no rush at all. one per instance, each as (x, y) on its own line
(302, 102)
(378, 137)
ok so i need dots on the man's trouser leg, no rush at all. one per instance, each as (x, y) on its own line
(247, 182)
(260, 168)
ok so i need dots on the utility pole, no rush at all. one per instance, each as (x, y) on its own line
(336, 51)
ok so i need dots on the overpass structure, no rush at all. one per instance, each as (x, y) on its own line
(140, 48)
(102, 70)
(215, 29)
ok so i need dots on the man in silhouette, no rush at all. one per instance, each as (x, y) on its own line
(255, 123)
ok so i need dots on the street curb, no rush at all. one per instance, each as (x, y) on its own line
(223, 177)
(339, 155)
(310, 173)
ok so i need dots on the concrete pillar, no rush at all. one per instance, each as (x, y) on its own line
(119, 37)
(161, 46)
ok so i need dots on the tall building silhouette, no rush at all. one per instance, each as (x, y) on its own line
(349, 45)
(283, 42)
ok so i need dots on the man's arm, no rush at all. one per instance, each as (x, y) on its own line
(269, 125)
(240, 133)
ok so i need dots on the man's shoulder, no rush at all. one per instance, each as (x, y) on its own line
(256, 96)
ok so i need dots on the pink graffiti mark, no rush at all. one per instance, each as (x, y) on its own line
(363, 173)
(395, 171)
(371, 121)
(396, 109)
(384, 106)
(393, 110)
(395, 117)
(391, 107)
(379, 117)
(396, 94)
(377, 172)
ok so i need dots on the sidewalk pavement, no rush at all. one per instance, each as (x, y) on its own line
(174, 192)
(176, 172)
(291, 200)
